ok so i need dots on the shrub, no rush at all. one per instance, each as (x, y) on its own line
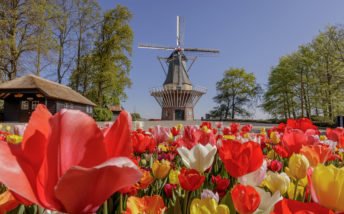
(102, 114)
(135, 116)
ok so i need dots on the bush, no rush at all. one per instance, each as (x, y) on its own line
(102, 114)
(135, 116)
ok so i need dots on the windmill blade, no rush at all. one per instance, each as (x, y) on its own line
(156, 47)
(181, 31)
(201, 50)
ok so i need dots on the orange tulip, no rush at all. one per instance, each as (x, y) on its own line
(7, 202)
(147, 204)
(316, 154)
(145, 181)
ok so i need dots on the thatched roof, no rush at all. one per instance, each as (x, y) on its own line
(49, 88)
(115, 108)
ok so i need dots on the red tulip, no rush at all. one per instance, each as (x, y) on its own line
(247, 128)
(221, 183)
(240, 159)
(65, 163)
(190, 179)
(7, 202)
(142, 143)
(293, 139)
(287, 206)
(302, 124)
(175, 131)
(245, 199)
(275, 165)
(336, 134)
(235, 128)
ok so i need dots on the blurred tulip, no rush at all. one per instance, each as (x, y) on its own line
(160, 134)
(240, 159)
(298, 165)
(245, 199)
(288, 206)
(161, 169)
(147, 204)
(8, 128)
(175, 131)
(190, 179)
(145, 181)
(199, 157)
(275, 165)
(267, 201)
(173, 176)
(138, 125)
(316, 154)
(14, 139)
(7, 202)
(303, 124)
(275, 181)
(19, 129)
(179, 126)
(254, 178)
(207, 206)
(219, 125)
(274, 138)
(327, 183)
(61, 157)
(207, 193)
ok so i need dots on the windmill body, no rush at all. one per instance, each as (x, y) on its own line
(177, 97)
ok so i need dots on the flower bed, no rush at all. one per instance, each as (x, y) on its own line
(68, 164)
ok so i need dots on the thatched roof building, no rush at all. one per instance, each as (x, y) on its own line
(22, 95)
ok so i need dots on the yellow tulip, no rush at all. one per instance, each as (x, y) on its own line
(323, 137)
(14, 139)
(228, 137)
(298, 165)
(271, 154)
(161, 169)
(207, 206)
(302, 182)
(262, 131)
(163, 148)
(205, 129)
(275, 181)
(179, 126)
(0, 126)
(328, 184)
(274, 138)
(8, 128)
(173, 176)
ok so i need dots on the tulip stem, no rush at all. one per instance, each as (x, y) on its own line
(295, 190)
(120, 203)
(186, 200)
(105, 208)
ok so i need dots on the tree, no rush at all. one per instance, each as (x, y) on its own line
(236, 89)
(20, 22)
(111, 65)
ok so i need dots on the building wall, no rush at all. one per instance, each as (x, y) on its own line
(60, 104)
(168, 113)
(11, 110)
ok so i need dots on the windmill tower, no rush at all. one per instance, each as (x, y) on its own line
(177, 97)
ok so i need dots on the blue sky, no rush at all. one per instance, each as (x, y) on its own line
(251, 34)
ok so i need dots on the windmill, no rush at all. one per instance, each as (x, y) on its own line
(177, 97)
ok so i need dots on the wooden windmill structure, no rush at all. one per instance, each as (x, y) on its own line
(177, 97)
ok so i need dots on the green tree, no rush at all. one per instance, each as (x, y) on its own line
(236, 89)
(111, 65)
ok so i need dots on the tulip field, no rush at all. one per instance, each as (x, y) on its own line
(65, 163)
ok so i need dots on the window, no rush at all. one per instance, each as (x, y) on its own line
(65, 105)
(34, 104)
(24, 105)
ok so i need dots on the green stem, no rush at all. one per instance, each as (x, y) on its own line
(186, 199)
(120, 203)
(295, 190)
(105, 207)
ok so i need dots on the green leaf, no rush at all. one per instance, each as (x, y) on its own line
(227, 200)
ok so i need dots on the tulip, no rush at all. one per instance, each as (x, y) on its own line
(19, 129)
(7, 128)
(173, 176)
(221, 183)
(161, 169)
(160, 134)
(168, 188)
(254, 178)
(303, 124)
(275, 165)
(287, 206)
(199, 157)
(207, 193)
(274, 181)
(145, 181)
(219, 125)
(299, 190)
(245, 198)
(316, 154)
(241, 159)
(146, 204)
(207, 206)
(190, 179)
(62, 157)
(7, 202)
(14, 139)
(138, 125)
(327, 182)
(267, 201)
(298, 165)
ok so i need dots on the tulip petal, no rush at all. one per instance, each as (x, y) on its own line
(7, 202)
(117, 139)
(82, 190)
(12, 175)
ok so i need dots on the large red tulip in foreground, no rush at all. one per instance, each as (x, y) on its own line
(65, 163)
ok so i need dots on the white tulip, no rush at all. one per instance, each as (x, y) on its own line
(267, 202)
(254, 178)
(199, 157)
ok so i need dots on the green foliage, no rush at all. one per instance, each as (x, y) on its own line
(234, 91)
(102, 114)
(309, 82)
(135, 116)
